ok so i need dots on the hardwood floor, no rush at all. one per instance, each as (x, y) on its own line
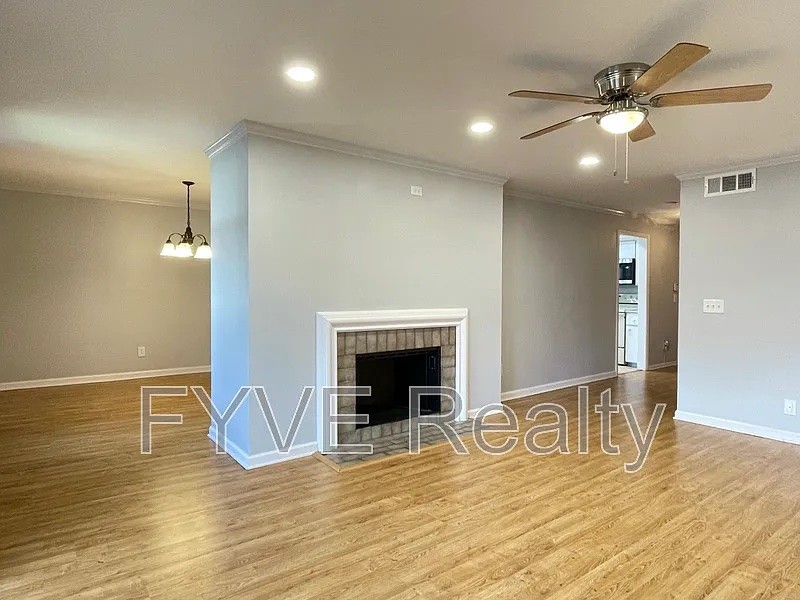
(711, 515)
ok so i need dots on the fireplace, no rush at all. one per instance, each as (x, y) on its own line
(388, 351)
(390, 374)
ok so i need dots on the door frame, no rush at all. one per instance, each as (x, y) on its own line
(644, 308)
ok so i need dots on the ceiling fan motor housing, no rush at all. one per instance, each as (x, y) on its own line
(613, 81)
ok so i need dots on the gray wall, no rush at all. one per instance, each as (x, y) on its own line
(230, 276)
(742, 248)
(330, 231)
(83, 285)
(559, 291)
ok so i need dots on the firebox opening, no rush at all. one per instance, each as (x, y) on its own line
(390, 374)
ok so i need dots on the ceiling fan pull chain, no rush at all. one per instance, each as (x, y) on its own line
(615, 155)
(627, 160)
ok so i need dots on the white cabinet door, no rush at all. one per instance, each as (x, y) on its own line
(632, 345)
(627, 249)
(620, 338)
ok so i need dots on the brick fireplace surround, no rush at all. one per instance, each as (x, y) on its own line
(341, 336)
(352, 343)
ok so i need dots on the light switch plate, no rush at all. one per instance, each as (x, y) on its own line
(713, 306)
(416, 190)
(790, 407)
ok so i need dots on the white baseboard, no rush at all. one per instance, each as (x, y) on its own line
(471, 413)
(39, 383)
(780, 435)
(262, 459)
(658, 366)
(556, 385)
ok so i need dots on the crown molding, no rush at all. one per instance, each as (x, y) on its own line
(661, 219)
(238, 132)
(568, 203)
(245, 127)
(112, 198)
(756, 164)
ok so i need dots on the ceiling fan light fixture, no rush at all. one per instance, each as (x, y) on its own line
(622, 117)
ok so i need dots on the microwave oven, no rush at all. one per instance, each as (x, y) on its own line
(627, 271)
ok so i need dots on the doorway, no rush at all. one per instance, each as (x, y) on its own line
(632, 288)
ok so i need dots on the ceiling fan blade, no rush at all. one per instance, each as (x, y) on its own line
(642, 132)
(740, 93)
(557, 126)
(681, 57)
(554, 96)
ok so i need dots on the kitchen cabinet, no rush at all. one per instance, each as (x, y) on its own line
(621, 338)
(632, 340)
(627, 249)
(627, 337)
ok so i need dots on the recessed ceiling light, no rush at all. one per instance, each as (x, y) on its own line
(589, 160)
(301, 74)
(481, 127)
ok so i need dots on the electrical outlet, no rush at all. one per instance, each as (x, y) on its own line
(666, 345)
(416, 190)
(141, 352)
(714, 306)
(790, 407)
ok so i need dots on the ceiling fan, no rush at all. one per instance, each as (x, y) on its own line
(622, 89)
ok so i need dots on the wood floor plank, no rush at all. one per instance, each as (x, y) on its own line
(85, 515)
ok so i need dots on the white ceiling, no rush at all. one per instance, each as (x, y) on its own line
(119, 98)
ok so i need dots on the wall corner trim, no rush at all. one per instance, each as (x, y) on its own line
(770, 433)
(76, 195)
(245, 127)
(106, 377)
(664, 365)
(263, 459)
(556, 385)
(767, 162)
(520, 195)
(471, 414)
(229, 139)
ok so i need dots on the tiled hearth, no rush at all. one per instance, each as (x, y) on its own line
(352, 343)
(397, 443)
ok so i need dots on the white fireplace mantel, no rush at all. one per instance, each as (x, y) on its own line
(329, 324)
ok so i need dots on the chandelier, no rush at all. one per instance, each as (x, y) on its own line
(185, 247)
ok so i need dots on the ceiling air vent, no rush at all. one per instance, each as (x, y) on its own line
(731, 183)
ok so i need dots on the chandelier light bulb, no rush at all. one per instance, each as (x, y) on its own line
(184, 250)
(168, 249)
(203, 252)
